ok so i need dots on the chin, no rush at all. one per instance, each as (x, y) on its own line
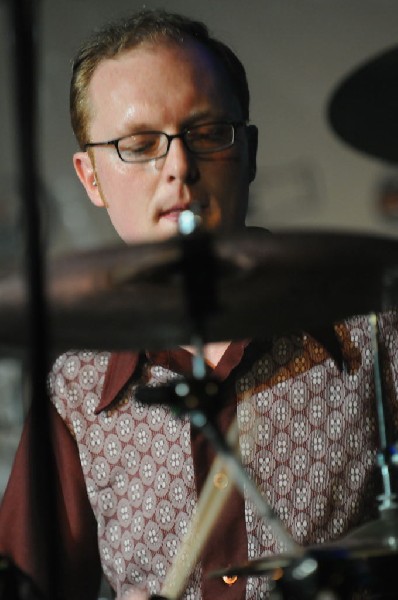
(166, 228)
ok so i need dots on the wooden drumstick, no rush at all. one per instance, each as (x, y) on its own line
(214, 494)
(225, 469)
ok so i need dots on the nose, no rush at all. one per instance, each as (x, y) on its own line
(179, 164)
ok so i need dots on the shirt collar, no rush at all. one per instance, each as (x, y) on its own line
(122, 366)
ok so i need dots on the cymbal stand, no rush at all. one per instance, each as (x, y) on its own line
(387, 456)
(384, 528)
(199, 397)
(42, 507)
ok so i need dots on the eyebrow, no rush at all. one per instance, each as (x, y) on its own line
(196, 118)
(205, 116)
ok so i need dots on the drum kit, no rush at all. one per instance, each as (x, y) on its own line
(201, 287)
(205, 287)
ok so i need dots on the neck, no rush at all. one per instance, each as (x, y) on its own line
(212, 352)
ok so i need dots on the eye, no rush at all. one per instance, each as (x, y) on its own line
(210, 136)
(140, 145)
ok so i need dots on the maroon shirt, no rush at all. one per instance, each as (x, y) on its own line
(130, 475)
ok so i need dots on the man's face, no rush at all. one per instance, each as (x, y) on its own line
(164, 88)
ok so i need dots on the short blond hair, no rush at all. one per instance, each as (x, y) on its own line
(156, 27)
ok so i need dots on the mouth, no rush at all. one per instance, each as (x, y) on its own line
(173, 213)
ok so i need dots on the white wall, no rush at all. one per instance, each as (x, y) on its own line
(295, 52)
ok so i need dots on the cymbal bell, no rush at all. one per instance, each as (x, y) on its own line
(133, 297)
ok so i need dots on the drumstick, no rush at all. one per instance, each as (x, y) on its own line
(211, 501)
(215, 492)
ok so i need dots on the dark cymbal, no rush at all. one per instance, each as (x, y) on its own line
(336, 570)
(255, 568)
(348, 549)
(271, 565)
(245, 285)
(380, 533)
(362, 109)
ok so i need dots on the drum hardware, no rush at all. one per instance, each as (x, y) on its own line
(384, 529)
(199, 398)
(386, 456)
(196, 398)
(261, 285)
(15, 584)
(23, 26)
(335, 571)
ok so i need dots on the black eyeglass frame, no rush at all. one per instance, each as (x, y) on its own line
(170, 137)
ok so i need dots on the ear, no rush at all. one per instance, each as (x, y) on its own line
(252, 141)
(86, 173)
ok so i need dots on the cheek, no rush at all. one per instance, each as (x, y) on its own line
(229, 178)
(230, 190)
(127, 184)
(126, 220)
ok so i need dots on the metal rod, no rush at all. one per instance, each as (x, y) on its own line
(388, 499)
(244, 482)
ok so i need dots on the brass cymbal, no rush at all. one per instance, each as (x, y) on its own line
(133, 297)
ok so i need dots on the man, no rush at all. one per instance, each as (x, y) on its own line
(160, 111)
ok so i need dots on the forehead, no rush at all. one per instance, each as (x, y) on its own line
(154, 76)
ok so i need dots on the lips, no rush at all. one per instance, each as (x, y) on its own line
(172, 213)
(176, 209)
(208, 211)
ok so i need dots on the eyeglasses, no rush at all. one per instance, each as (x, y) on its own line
(144, 146)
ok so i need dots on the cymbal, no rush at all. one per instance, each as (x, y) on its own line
(344, 550)
(268, 565)
(381, 532)
(255, 568)
(347, 569)
(134, 297)
(362, 108)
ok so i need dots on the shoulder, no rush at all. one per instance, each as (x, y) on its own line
(360, 327)
(76, 380)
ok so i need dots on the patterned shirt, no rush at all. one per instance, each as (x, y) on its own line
(307, 436)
